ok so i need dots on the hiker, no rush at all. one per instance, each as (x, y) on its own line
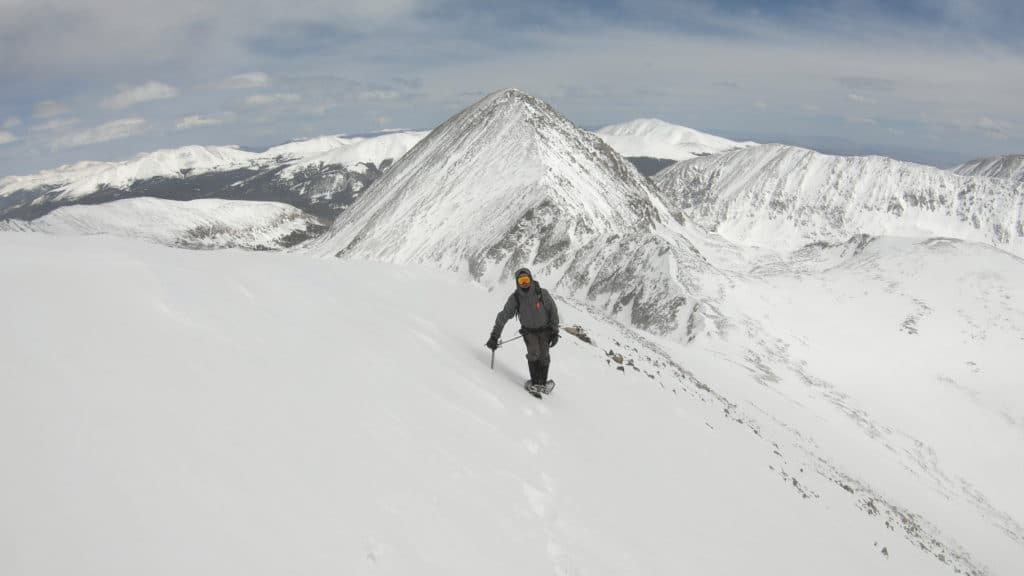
(538, 317)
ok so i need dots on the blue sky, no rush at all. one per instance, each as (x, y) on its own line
(936, 82)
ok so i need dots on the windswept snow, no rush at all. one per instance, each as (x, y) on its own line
(782, 197)
(653, 138)
(269, 413)
(195, 224)
(892, 355)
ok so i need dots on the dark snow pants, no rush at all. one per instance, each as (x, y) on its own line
(537, 347)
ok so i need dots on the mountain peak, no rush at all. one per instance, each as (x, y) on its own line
(654, 138)
(488, 167)
(510, 182)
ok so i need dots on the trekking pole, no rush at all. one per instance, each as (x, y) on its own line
(492, 359)
(510, 340)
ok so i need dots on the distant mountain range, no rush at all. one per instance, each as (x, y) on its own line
(773, 196)
(320, 176)
(783, 197)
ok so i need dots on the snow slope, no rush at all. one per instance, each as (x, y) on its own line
(782, 197)
(893, 356)
(509, 182)
(653, 138)
(194, 224)
(270, 413)
(1010, 167)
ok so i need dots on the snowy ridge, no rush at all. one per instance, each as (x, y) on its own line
(653, 138)
(320, 175)
(509, 182)
(356, 151)
(1010, 167)
(208, 223)
(782, 197)
(83, 178)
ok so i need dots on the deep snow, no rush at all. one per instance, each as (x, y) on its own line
(167, 411)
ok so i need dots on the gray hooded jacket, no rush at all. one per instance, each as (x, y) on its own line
(536, 308)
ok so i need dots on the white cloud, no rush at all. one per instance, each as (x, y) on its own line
(197, 120)
(247, 80)
(49, 109)
(7, 138)
(378, 95)
(270, 99)
(131, 96)
(54, 124)
(854, 97)
(12, 122)
(115, 130)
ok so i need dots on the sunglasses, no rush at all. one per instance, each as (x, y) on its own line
(523, 281)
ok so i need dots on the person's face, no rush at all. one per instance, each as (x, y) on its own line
(523, 281)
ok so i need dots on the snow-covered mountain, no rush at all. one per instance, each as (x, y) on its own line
(509, 182)
(783, 197)
(1010, 166)
(208, 223)
(659, 140)
(220, 410)
(320, 175)
(849, 408)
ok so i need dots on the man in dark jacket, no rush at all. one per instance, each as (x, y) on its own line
(538, 317)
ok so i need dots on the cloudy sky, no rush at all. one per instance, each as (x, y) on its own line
(937, 81)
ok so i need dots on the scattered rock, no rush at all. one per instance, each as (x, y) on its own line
(580, 333)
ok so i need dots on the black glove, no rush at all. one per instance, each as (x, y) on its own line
(553, 339)
(492, 343)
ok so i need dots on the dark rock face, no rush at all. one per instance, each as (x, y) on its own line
(650, 166)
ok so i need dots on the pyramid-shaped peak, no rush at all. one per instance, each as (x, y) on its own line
(509, 182)
(475, 177)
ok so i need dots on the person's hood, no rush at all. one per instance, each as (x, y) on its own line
(520, 272)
